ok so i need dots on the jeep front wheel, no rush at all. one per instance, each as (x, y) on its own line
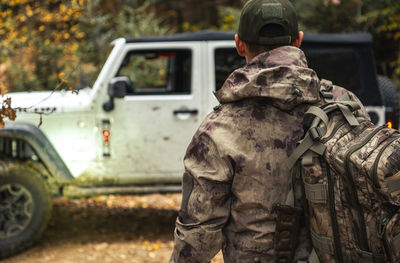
(25, 207)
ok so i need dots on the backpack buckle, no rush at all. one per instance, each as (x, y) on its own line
(315, 133)
(382, 227)
(326, 94)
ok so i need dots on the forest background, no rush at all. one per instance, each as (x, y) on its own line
(45, 43)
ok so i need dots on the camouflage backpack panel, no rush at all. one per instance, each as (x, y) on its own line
(388, 181)
(373, 160)
(333, 221)
(392, 236)
(359, 235)
(353, 189)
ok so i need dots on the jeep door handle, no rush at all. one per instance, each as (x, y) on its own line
(193, 112)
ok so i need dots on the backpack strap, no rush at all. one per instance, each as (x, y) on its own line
(313, 112)
(396, 244)
(327, 96)
(316, 193)
(351, 119)
(325, 244)
(306, 144)
(393, 183)
(312, 258)
(344, 97)
(312, 118)
(322, 243)
(346, 107)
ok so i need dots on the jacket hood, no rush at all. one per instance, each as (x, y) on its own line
(280, 76)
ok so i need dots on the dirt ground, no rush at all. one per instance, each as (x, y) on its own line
(115, 228)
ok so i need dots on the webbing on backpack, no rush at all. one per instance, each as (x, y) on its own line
(369, 257)
(326, 244)
(312, 258)
(393, 183)
(312, 118)
(308, 143)
(396, 244)
(323, 243)
(316, 193)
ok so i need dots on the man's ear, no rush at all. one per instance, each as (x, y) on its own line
(299, 40)
(240, 46)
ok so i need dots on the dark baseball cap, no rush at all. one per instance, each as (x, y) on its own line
(258, 15)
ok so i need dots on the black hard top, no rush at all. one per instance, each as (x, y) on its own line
(209, 35)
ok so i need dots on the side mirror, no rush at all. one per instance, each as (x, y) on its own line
(118, 87)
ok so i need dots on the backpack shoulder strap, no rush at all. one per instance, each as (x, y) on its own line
(312, 137)
(317, 114)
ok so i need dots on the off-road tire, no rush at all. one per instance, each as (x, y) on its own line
(390, 97)
(25, 204)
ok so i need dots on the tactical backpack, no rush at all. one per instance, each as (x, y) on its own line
(350, 174)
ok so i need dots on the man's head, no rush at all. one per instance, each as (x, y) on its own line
(267, 24)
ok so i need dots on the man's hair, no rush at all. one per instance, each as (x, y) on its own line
(269, 30)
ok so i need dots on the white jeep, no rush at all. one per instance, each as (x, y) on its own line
(128, 133)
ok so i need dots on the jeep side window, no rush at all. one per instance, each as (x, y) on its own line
(226, 61)
(338, 65)
(155, 72)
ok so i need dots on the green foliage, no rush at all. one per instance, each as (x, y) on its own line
(138, 22)
(384, 23)
(229, 18)
(41, 39)
(70, 37)
(380, 18)
(146, 71)
(134, 20)
(328, 16)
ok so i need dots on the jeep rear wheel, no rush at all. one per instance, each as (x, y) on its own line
(390, 98)
(25, 207)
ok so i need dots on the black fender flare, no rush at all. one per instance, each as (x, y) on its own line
(41, 145)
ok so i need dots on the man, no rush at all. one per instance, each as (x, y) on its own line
(235, 166)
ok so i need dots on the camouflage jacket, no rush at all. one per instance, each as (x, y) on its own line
(235, 165)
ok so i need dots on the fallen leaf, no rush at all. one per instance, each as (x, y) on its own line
(3, 89)
(155, 247)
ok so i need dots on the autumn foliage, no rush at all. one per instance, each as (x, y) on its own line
(43, 38)
(384, 23)
(40, 39)
(6, 111)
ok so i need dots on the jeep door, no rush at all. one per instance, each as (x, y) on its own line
(153, 124)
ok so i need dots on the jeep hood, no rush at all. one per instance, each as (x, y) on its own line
(46, 101)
